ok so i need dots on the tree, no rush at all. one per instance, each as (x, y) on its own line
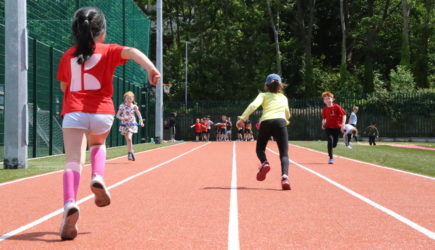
(343, 66)
(276, 37)
(406, 54)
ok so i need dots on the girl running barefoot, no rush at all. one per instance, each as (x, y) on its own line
(86, 72)
(273, 122)
(128, 125)
(333, 120)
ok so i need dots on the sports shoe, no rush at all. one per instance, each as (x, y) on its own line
(349, 147)
(130, 156)
(285, 184)
(264, 169)
(68, 228)
(331, 161)
(102, 196)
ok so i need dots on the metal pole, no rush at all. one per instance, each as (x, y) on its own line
(186, 73)
(159, 87)
(16, 116)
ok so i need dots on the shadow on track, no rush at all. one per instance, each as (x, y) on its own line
(38, 236)
(241, 188)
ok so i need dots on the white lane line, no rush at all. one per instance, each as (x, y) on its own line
(59, 211)
(58, 171)
(390, 212)
(233, 225)
(368, 163)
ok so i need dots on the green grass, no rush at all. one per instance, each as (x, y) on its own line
(412, 160)
(49, 164)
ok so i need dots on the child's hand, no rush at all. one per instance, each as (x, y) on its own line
(240, 123)
(153, 76)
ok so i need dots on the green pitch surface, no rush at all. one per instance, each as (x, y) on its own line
(413, 160)
(53, 163)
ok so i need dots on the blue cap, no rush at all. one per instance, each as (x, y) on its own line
(272, 77)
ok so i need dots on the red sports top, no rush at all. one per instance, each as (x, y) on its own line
(197, 127)
(89, 86)
(204, 126)
(333, 115)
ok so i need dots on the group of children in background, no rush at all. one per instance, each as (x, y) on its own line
(334, 122)
(224, 129)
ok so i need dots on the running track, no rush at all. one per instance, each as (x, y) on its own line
(205, 196)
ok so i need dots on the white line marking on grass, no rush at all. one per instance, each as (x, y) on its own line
(59, 211)
(233, 225)
(390, 212)
(58, 171)
(368, 163)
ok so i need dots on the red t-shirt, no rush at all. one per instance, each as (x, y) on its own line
(333, 115)
(89, 86)
(197, 127)
(204, 126)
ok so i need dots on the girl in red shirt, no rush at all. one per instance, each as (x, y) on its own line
(204, 130)
(198, 129)
(85, 73)
(333, 121)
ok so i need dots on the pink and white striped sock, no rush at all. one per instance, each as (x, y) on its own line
(98, 159)
(71, 180)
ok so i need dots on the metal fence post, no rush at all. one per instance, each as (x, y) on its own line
(16, 112)
(35, 100)
(50, 125)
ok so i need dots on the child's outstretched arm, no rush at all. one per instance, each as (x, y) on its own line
(139, 116)
(141, 59)
(252, 107)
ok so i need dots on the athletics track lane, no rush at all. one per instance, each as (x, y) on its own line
(28, 200)
(314, 214)
(177, 206)
(409, 195)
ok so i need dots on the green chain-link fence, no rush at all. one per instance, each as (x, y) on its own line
(49, 23)
(396, 115)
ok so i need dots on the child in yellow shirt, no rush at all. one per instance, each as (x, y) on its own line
(273, 122)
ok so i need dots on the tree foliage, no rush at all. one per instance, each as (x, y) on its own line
(234, 45)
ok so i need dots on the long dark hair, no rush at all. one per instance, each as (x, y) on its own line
(88, 24)
(275, 87)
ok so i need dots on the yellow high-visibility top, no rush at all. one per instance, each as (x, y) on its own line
(275, 105)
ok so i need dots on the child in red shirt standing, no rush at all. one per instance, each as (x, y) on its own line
(86, 72)
(333, 121)
(204, 129)
(198, 129)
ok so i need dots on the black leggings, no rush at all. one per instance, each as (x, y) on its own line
(278, 129)
(372, 140)
(332, 136)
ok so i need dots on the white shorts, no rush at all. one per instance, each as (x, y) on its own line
(95, 124)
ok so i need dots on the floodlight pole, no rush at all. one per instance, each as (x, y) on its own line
(159, 87)
(16, 116)
(186, 73)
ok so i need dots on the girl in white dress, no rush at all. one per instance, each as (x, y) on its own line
(128, 125)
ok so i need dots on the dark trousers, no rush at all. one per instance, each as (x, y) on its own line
(372, 140)
(332, 137)
(278, 129)
(348, 139)
(355, 137)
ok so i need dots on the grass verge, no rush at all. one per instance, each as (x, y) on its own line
(53, 163)
(412, 160)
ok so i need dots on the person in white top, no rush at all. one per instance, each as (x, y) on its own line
(349, 130)
(353, 119)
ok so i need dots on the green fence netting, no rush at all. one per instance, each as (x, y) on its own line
(49, 24)
(397, 115)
